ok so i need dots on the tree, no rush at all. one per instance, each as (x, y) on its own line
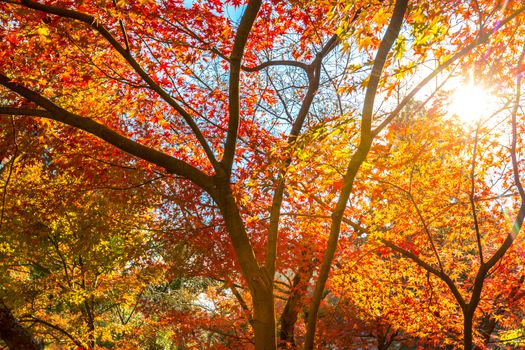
(162, 82)
(76, 250)
(450, 187)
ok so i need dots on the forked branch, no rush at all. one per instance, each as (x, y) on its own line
(92, 22)
(52, 111)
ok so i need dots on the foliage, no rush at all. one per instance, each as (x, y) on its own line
(185, 173)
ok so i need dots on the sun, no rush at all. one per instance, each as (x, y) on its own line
(471, 102)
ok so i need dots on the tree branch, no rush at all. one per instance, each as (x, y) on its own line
(314, 76)
(241, 37)
(121, 23)
(472, 199)
(482, 38)
(13, 334)
(273, 63)
(354, 164)
(95, 24)
(243, 304)
(171, 164)
(55, 327)
(10, 173)
(441, 275)
(518, 223)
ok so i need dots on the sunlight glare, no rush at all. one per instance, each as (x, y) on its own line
(471, 102)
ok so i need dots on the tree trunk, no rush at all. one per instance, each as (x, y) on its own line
(289, 315)
(385, 340)
(467, 329)
(13, 334)
(259, 282)
(354, 165)
(264, 320)
(90, 321)
(488, 322)
(382, 344)
(487, 326)
(291, 309)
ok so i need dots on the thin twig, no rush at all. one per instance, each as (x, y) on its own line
(11, 166)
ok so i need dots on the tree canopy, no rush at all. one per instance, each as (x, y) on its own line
(261, 174)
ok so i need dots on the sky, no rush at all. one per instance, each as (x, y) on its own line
(234, 13)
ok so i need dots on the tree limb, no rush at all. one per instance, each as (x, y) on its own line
(441, 275)
(171, 164)
(92, 22)
(356, 160)
(482, 38)
(241, 38)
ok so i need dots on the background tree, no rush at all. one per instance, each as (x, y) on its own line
(456, 204)
(76, 252)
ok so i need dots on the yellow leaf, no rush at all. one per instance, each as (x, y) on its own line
(42, 31)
